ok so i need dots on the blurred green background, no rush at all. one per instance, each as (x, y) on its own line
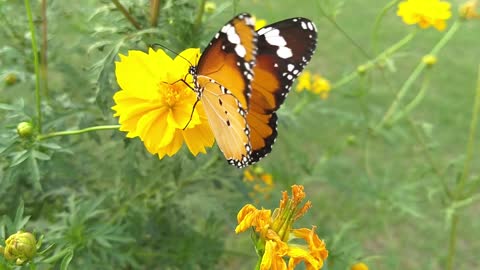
(105, 200)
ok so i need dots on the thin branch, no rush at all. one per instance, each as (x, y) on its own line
(76, 132)
(127, 14)
(43, 49)
(154, 12)
(38, 100)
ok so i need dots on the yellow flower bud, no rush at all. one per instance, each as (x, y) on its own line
(210, 7)
(25, 129)
(361, 70)
(20, 247)
(468, 10)
(359, 266)
(11, 79)
(351, 139)
(429, 60)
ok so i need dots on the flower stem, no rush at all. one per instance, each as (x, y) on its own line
(76, 132)
(413, 77)
(198, 19)
(126, 14)
(392, 49)
(378, 20)
(154, 11)
(414, 103)
(43, 53)
(344, 33)
(465, 174)
(38, 100)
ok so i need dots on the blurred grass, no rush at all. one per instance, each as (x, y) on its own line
(394, 212)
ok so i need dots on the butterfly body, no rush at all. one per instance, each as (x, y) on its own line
(243, 77)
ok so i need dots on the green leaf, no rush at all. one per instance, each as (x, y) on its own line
(19, 220)
(40, 155)
(20, 157)
(66, 260)
(7, 107)
(35, 173)
(52, 146)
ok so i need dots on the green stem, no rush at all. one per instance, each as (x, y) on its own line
(414, 103)
(465, 174)
(392, 49)
(44, 49)
(127, 15)
(154, 12)
(38, 100)
(378, 20)
(344, 33)
(413, 77)
(75, 132)
(198, 19)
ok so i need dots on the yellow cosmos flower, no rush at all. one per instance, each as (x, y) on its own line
(276, 240)
(259, 23)
(468, 10)
(154, 105)
(359, 266)
(425, 13)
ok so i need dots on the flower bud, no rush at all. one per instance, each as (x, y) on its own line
(25, 129)
(468, 10)
(11, 79)
(20, 247)
(351, 140)
(210, 7)
(361, 70)
(429, 60)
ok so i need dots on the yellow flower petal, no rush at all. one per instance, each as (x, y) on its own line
(155, 102)
(298, 254)
(425, 13)
(304, 81)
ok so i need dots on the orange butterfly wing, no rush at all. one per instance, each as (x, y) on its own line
(223, 81)
(227, 120)
(284, 48)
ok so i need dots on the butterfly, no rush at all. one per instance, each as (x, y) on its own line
(242, 78)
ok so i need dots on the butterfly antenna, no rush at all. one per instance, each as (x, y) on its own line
(176, 53)
(191, 114)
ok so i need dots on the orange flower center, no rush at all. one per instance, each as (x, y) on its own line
(171, 94)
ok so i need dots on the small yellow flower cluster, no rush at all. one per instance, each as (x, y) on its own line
(313, 83)
(262, 182)
(276, 240)
(469, 9)
(425, 13)
(20, 247)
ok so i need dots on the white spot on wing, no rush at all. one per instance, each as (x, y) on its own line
(290, 67)
(240, 50)
(304, 25)
(284, 52)
(310, 26)
(264, 30)
(232, 36)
